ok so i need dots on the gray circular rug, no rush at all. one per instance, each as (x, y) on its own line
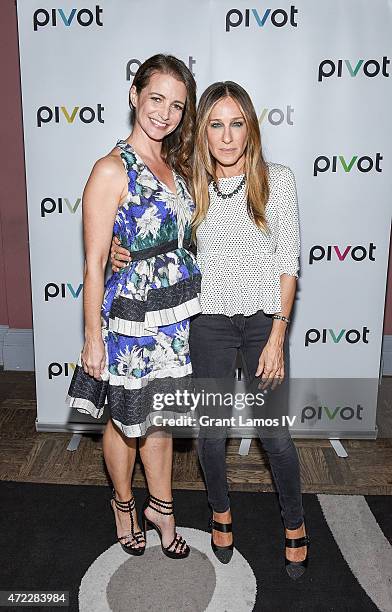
(118, 582)
(160, 583)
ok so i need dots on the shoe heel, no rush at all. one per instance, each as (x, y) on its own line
(146, 526)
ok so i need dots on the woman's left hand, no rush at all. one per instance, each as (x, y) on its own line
(271, 365)
(119, 257)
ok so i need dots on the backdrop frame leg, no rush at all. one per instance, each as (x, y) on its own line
(244, 446)
(338, 447)
(74, 442)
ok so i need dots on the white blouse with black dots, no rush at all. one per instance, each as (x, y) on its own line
(240, 264)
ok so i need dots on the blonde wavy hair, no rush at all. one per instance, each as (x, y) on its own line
(204, 165)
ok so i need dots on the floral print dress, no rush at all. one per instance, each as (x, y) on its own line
(146, 306)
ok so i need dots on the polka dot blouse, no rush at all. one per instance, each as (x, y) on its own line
(240, 264)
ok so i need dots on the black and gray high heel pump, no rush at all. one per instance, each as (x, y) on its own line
(296, 569)
(129, 547)
(222, 553)
(178, 548)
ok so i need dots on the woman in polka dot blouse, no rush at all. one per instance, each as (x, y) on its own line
(247, 235)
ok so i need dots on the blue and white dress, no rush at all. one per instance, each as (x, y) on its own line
(146, 306)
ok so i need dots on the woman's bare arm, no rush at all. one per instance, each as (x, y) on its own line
(288, 287)
(101, 198)
(271, 362)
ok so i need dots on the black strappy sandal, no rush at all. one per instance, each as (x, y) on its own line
(181, 549)
(296, 569)
(222, 553)
(137, 536)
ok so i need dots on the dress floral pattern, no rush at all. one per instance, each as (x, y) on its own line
(147, 305)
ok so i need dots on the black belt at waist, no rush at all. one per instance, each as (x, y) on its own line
(160, 249)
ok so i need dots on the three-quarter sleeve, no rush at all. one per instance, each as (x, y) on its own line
(288, 244)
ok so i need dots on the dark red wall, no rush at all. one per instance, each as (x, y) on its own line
(15, 300)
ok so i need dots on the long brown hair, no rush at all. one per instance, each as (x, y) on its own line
(204, 165)
(177, 147)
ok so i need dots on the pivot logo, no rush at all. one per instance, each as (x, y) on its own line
(63, 291)
(134, 64)
(370, 68)
(86, 114)
(60, 369)
(346, 413)
(322, 163)
(50, 205)
(352, 336)
(277, 116)
(279, 17)
(357, 253)
(84, 17)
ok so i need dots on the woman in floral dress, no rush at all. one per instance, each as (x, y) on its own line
(137, 325)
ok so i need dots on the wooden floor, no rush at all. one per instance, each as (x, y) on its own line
(26, 455)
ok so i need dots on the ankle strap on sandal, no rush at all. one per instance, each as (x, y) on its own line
(223, 527)
(124, 506)
(297, 542)
(160, 505)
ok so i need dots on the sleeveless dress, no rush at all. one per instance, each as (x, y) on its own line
(146, 305)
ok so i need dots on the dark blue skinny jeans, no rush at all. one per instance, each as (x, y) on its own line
(214, 343)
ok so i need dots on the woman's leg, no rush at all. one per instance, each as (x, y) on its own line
(277, 441)
(120, 453)
(156, 451)
(214, 342)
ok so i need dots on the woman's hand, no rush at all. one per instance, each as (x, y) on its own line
(118, 255)
(271, 365)
(93, 357)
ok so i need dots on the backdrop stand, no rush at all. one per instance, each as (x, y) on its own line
(74, 442)
(338, 447)
(244, 446)
(310, 78)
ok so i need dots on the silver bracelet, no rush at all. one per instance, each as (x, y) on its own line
(281, 318)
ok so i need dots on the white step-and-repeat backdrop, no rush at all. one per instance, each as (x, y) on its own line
(319, 76)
